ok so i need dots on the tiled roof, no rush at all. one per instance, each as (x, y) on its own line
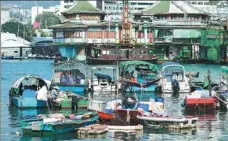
(165, 7)
(82, 6)
(68, 24)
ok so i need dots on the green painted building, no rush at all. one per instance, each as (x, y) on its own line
(177, 29)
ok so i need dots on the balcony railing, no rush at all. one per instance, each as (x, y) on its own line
(163, 39)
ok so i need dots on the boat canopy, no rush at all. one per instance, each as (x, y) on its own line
(28, 82)
(70, 73)
(224, 69)
(169, 63)
(102, 76)
(68, 66)
(125, 64)
(104, 72)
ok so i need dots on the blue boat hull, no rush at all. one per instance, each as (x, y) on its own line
(28, 102)
(47, 129)
(74, 89)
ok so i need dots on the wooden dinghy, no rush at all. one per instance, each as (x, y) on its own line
(135, 127)
(167, 122)
(93, 129)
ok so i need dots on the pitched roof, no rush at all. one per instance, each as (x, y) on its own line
(167, 7)
(82, 6)
(68, 25)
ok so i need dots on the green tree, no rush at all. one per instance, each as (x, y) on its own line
(22, 30)
(47, 19)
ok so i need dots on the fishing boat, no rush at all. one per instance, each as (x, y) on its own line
(70, 76)
(201, 99)
(127, 109)
(138, 76)
(103, 79)
(25, 92)
(174, 79)
(68, 100)
(167, 122)
(57, 123)
(110, 53)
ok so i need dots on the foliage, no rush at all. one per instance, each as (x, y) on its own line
(22, 30)
(47, 19)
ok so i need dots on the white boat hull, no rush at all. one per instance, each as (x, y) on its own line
(167, 88)
(104, 88)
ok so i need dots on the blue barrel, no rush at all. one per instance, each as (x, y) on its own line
(159, 99)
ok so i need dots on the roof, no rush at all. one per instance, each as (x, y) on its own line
(124, 65)
(4, 9)
(10, 40)
(68, 24)
(173, 7)
(17, 83)
(82, 6)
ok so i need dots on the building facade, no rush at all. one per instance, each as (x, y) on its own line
(168, 29)
(177, 28)
(4, 15)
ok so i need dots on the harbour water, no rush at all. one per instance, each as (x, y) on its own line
(212, 125)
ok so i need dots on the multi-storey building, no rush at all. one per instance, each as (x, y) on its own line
(176, 28)
(114, 9)
(4, 15)
(86, 29)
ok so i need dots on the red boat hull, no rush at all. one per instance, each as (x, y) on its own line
(123, 115)
(105, 116)
(207, 103)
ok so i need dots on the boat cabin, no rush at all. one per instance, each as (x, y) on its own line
(103, 78)
(70, 76)
(24, 92)
(114, 53)
(138, 71)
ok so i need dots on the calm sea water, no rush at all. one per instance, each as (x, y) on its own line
(213, 125)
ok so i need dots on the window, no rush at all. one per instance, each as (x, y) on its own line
(15, 51)
(72, 34)
(194, 3)
(200, 3)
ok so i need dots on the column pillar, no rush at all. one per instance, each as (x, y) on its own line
(117, 33)
(145, 34)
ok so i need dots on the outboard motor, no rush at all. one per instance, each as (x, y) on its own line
(175, 87)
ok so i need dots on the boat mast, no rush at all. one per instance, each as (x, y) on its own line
(209, 82)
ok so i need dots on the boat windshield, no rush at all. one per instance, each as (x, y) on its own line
(173, 72)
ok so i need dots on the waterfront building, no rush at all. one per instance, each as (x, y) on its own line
(82, 25)
(13, 46)
(85, 27)
(176, 27)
